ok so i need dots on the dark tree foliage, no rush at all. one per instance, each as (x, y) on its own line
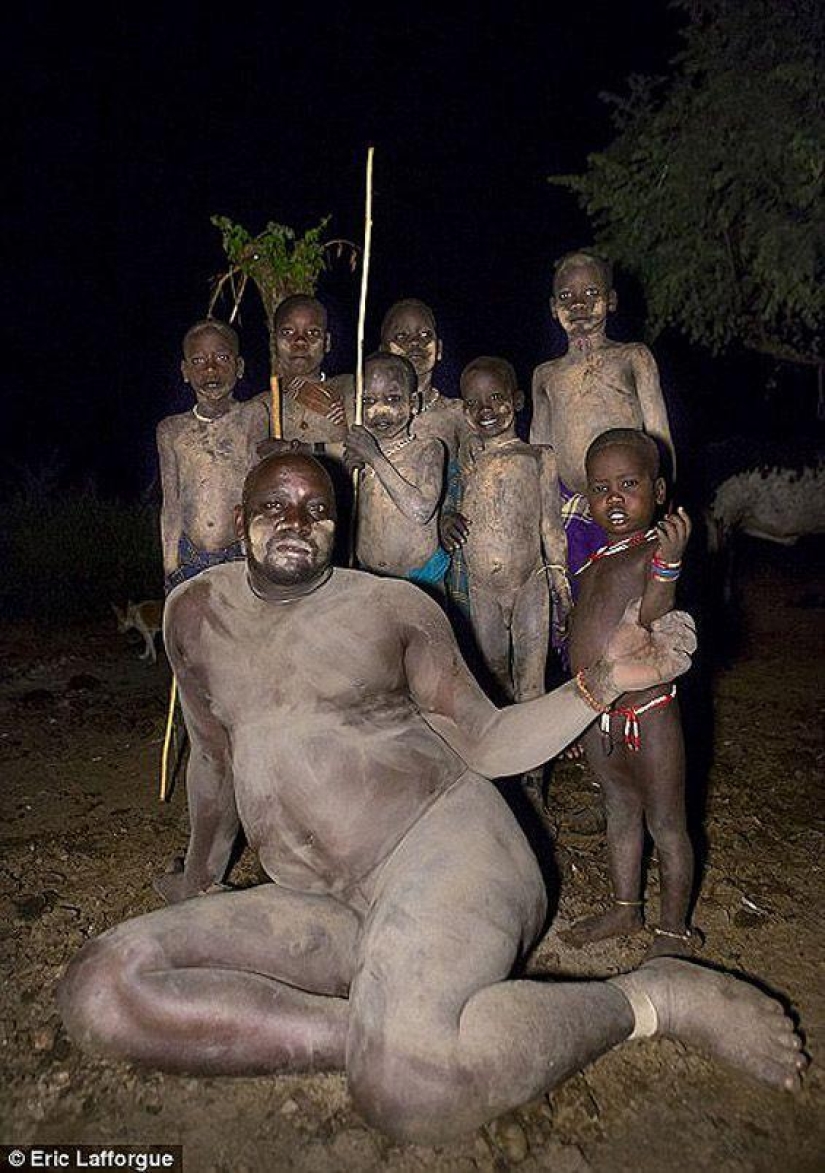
(712, 190)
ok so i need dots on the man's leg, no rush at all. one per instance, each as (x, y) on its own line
(439, 1042)
(238, 983)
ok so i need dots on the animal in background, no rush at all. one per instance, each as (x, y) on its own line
(146, 618)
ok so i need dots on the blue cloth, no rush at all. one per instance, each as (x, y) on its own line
(192, 561)
(433, 570)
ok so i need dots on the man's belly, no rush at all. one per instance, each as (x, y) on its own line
(323, 804)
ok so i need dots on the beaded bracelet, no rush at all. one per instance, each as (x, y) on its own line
(663, 571)
(587, 695)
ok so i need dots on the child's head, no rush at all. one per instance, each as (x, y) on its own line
(489, 389)
(390, 387)
(409, 329)
(301, 337)
(583, 293)
(211, 364)
(624, 487)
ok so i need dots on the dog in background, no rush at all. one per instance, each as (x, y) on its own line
(146, 618)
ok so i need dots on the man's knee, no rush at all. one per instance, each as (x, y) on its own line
(414, 1093)
(100, 982)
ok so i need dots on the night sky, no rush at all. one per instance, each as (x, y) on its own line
(128, 133)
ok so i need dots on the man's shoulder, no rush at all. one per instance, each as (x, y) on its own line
(548, 370)
(207, 589)
(172, 425)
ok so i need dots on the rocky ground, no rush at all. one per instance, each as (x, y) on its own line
(81, 721)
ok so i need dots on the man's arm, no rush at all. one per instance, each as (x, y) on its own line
(501, 742)
(553, 537)
(651, 400)
(213, 816)
(171, 512)
(541, 425)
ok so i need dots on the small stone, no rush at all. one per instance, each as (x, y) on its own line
(289, 1107)
(43, 1038)
(510, 1139)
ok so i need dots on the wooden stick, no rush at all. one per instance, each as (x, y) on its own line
(359, 369)
(275, 421)
(167, 740)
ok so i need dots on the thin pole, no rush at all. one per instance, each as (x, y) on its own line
(167, 741)
(359, 369)
(275, 422)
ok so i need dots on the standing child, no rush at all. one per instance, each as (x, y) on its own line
(508, 528)
(636, 748)
(598, 384)
(205, 454)
(403, 478)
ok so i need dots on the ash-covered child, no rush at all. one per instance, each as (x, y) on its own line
(636, 747)
(508, 527)
(403, 478)
(598, 384)
(205, 454)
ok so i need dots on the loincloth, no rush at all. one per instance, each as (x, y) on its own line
(631, 733)
(192, 561)
(433, 570)
(584, 536)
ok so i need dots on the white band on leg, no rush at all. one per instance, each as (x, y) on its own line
(646, 1020)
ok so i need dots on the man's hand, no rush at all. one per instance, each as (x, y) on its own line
(673, 531)
(360, 448)
(637, 658)
(453, 531)
(318, 397)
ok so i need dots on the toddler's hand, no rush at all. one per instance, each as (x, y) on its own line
(674, 531)
(453, 531)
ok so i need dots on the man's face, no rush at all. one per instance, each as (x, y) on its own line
(622, 492)
(211, 366)
(301, 341)
(581, 298)
(410, 331)
(489, 406)
(387, 403)
(288, 521)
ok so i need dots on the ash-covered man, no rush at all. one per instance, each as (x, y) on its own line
(332, 717)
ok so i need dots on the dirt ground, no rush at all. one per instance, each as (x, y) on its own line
(84, 834)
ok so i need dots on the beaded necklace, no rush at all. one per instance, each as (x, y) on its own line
(619, 547)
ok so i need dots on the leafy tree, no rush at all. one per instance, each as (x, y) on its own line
(711, 191)
(278, 263)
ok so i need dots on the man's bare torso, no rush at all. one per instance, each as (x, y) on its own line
(331, 759)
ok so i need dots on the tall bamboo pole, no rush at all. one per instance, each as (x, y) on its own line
(359, 369)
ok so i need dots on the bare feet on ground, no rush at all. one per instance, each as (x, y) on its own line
(619, 921)
(723, 1016)
(673, 944)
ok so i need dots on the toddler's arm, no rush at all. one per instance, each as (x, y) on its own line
(665, 566)
(541, 425)
(417, 501)
(553, 537)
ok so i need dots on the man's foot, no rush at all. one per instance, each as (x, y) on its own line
(619, 921)
(669, 943)
(719, 1014)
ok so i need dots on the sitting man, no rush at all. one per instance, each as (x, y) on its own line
(332, 718)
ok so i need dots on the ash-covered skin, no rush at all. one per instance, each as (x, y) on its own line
(312, 407)
(409, 329)
(403, 477)
(332, 717)
(205, 454)
(510, 529)
(599, 383)
(644, 788)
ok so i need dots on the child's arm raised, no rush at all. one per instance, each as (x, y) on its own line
(417, 501)
(171, 512)
(665, 567)
(553, 537)
(651, 400)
